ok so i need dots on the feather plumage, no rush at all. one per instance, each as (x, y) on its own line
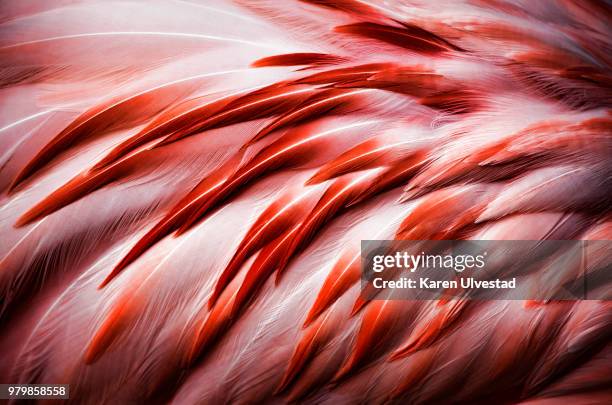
(184, 185)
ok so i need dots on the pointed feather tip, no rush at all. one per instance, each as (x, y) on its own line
(278, 278)
(109, 330)
(205, 336)
(412, 192)
(92, 354)
(39, 211)
(282, 385)
(216, 293)
(106, 161)
(317, 178)
(214, 297)
(256, 138)
(183, 229)
(360, 197)
(312, 316)
(13, 188)
(281, 268)
(246, 145)
(126, 261)
(308, 59)
(498, 158)
(167, 140)
(344, 371)
(262, 133)
(42, 209)
(194, 351)
(237, 308)
(406, 196)
(106, 280)
(22, 176)
(359, 304)
(26, 219)
(200, 215)
(403, 352)
(288, 377)
(217, 323)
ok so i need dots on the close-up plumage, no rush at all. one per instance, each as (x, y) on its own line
(186, 185)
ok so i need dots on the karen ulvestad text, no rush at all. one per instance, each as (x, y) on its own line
(428, 283)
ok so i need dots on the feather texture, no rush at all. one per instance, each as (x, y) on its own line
(185, 185)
